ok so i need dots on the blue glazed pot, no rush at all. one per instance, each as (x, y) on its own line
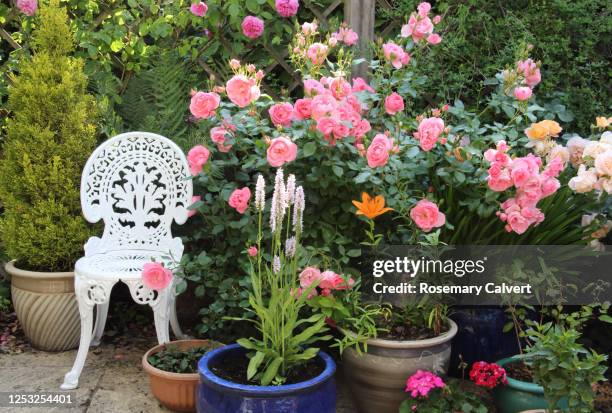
(518, 396)
(216, 395)
(481, 337)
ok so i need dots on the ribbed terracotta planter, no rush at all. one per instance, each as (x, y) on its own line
(46, 307)
(378, 378)
(176, 391)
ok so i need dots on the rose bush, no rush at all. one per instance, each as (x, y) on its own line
(436, 166)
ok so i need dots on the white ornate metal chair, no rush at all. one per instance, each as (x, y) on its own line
(137, 184)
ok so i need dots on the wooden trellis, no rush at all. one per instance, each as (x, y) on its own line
(360, 16)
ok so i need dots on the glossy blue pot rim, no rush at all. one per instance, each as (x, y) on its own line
(517, 384)
(208, 377)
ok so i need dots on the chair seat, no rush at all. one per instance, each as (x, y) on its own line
(126, 264)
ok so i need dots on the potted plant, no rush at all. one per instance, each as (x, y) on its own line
(280, 371)
(49, 136)
(555, 372)
(382, 347)
(172, 370)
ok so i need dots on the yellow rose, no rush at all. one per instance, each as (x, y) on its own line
(602, 122)
(544, 129)
(536, 132)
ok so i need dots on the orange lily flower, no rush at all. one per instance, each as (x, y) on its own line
(371, 207)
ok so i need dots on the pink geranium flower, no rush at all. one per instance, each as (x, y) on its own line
(422, 382)
(252, 27)
(427, 216)
(197, 158)
(239, 199)
(155, 276)
(281, 151)
(199, 9)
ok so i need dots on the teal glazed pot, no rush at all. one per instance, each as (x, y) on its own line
(518, 396)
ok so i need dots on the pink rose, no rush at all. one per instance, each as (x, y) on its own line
(242, 90)
(252, 251)
(199, 9)
(418, 28)
(423, 9)
(529, 69)
(360, 85)
(313, 87)
(217, 134)
(434, 38)
(361, 128)
(252, 27)
(287, 8)
(239, 199)
(317, 53)
(322, 106)
(194, 199)
(437, 19)
(308, 276)
(396, 55)
(309, 28)
(326, 126)
(280, 151)
(550, 186)
(303, 108)
(394, 103)
(27, 7)
(197, 158)
(281, 114)
(204, 104)
(517, 222)
(378, 151)
(522, 93)
(427, 216)
(340, 88)
(327, 280)
(429, 131)
(155, 276)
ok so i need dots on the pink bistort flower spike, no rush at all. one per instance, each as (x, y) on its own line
(260, 193)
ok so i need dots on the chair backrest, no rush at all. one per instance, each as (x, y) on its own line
(137, 183)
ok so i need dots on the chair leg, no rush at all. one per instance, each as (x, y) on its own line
(160, 313)
(174, 323)
(81, 287)
(98, 330)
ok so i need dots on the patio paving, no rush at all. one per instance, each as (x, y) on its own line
(112, 380)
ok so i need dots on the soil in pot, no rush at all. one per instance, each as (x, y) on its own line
(174, 360)
(603, 397)
(234, 369)
(519, 371)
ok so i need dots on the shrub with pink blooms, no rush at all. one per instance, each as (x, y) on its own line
(341, 136)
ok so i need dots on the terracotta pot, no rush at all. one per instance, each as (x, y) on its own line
(176, 391)
(46, 307)
(378, 378)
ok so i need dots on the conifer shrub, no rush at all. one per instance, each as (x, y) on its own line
(49, 137)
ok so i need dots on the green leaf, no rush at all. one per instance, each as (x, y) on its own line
(271, 371)
(309, 149)
(254, 364)
(338, 171)
(246, 343)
